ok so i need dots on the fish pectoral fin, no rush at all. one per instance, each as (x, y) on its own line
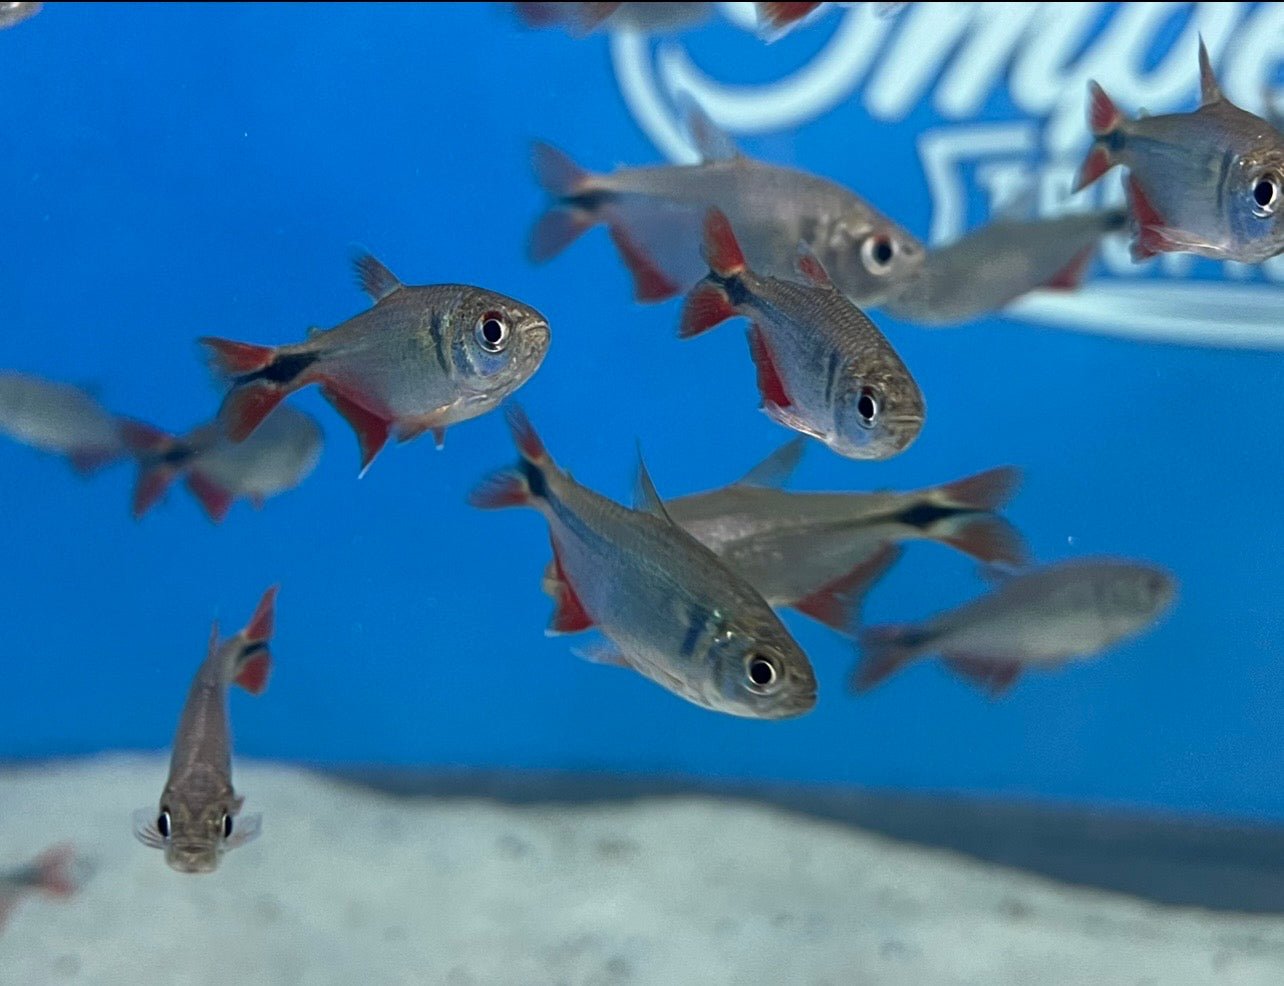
(603, 652)
(794, 422)
(774, 471)
(144, 825)
(408, 429)
(246, 828)
(993, 675)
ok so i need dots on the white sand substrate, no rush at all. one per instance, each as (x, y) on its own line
(352, 887)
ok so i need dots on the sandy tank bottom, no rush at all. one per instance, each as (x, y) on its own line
(348, 886)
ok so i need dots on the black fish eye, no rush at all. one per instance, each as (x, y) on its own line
(762, 672)
(492, 332)
(163, 824)
(878, 252)
(1266, 193)
(867, 406)
(227, 825)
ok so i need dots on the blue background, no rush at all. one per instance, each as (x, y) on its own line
(172, 171)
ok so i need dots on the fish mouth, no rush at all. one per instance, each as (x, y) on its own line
(192, 859)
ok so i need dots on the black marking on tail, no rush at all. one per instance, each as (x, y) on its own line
(590, 201)
(534, 477)
(924, 515)
(252, 648)
(281, 370)
(734, 287)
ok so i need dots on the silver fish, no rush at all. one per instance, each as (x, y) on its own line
(1209, 182)
(655, 216)
(824, 369)
(820, 552)
(277, 456)
(421, 359)
(58, 871)
(16, 11)
(1048, 616)
(580, 19)
(200, 817)
(57, 417)
(669, 608)
(993, 266)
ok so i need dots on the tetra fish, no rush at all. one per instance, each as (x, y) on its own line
(59, 418)
(58, 871)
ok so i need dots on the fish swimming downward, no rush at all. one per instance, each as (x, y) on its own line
(1044, 617)
(277, 456)
(58, 872)
(199, 817)
(422, 359)
(655, 217)
(824, 369)
(59, 418)
(1209, 182)
(668, 607)
(993, 266)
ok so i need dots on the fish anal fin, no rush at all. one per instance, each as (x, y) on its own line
(992, 675)
(87, 460)
(1149, 238)
(770, 386)
(838, 604)
(775, 470)
(569, 615)
(1069, 277)
(374, 278)
(372, 429)
(650, 283)
(214, 498)
(603, 652)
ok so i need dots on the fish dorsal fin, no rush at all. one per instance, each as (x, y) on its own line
(213, 644)
(645, 498)
(775, 469)
(996, 574)
(809, 266)
(1020, 205)
(314, 331)
(375, 279)
(1209, 90)
(711, 141)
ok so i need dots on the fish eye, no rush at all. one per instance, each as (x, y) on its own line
(227, 825)
(867, 406)
(762, 672)
(163, 824)
(877, 253)
(492, 332)
(1266, 195)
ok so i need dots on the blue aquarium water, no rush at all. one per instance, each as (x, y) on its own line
(177, 171)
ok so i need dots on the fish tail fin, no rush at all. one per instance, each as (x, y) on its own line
(721, 248)
(254, 662)
(214, 498)
(152, 485)
(557, 173)
(992, 675)
(149, 446)
(260, 381)
(519, 486)
(782, 15)
(53, 870)
(706, 306)
(234, 359)
(885, 650)
(987, 490)
(569, 184)
(557, 229)
(1104, 120)
(985, 537)
(968, 524)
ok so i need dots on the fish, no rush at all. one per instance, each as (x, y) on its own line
(581, 19)
(277, 456)
(422, 359)
(16, 11)
(1044, 617)
(654, 216)
(59, 418)
(824, 369)
(667, 607)
(199, 817)
(59, 871)
(995, 265)
(1208, 182)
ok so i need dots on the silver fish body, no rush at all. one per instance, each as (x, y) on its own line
(1046, 616)
(1210, 182)
(993, 266)
(58, 418)
(16, 11)
(197, 820)
(672, 611)
(580, 19)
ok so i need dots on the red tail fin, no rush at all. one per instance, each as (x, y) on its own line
(215, 499)
(142, 438)
(506, 488)
(987, 490)
(837, 605)
(153, 483)
(264, 619)
(1103, 114)
(53, 870)
(784, 14)
(234, 358)
(255, 662)
(247, 406)
(886, 651)
(706, 306)
(987, 538)
(524, 436)
(721, 249)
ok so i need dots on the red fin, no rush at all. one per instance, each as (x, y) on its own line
(1096, 164)
(837, 605)
(809, 266)
(53, 870)
(1103, 114)
(769, 383)
(1069, 277)
(721, 249)
(987, 538)
(151, 487)
(371, 429)
(234, 358)
(706, 306)
(569, 615)
(525, 438)
(252, 673)
(264, 619)
(215, 499)
(556, 173)
(987, 490)
(992, 675)
(886, 651)
(649, 282)
(246, 407)
(139, 436)
(1149, 239)
(784, 14)
(89, 460)
(555, 230)
(501, 489)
